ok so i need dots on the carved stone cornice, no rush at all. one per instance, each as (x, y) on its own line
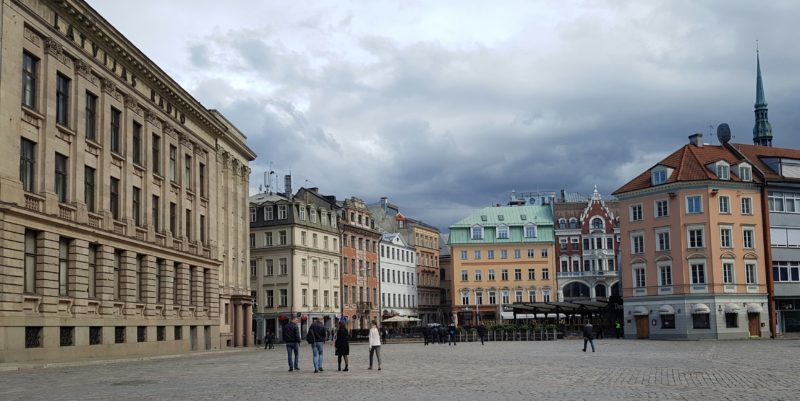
(151, 119)
(32, 36)
(168, 129)
(83, 69)
(53, 47)
(130, 103)
(110, 87)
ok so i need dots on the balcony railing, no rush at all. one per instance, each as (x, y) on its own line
(66, 212)
(95, 220)
(34, 202)
(591, 273)
(364, 305)
(120, 227)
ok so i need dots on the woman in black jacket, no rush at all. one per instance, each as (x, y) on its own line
(342, 345)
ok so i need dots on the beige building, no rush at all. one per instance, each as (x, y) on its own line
(123, 201)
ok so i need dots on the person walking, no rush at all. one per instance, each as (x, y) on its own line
(425, 334)
(451, 338)
(482, 332)
(374, 344)
(588, 336)
(342, 346)
(618, 328)
(316, 337)
(291, 336)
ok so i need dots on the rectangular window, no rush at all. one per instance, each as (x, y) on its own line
(284, 297)
(156, 203)
(188, 180)
(95, 335)
(698, 273)
(637, 243)
(748, 238)
(490, 254)
(517, 254)
(140, 279)
(694, 204)
(270, 299)
(636, 212)
(116, 116)
(137, 143)
(160, 270)
(544, 252)
(531, 274)
(62, 100)
(156, 154)
(727, 272)
(478, 275)
(668, 321)
(517, 274)
(725, 237)
(283, 266)
(747, 206)
(531, 295)
(701, 321)
(464, 275)
(463, 255)
(723, 171)
(491, 275)
(117, 274)
(665, 275)
(61, 178)
(696, 237)
(477, 255)
(188, 224)
(662, 208)
(136, 196)
(271, 268)
(659, 176)
(639, 278)
(545, 274)
(91, 116)
(63, 265)
(281, 212)
(745, 173)
(504, 274)
(268, 214)
(27, 164)
(731, 320)
(750, 273)
(724, 204)
(89, 193)
(173, 163)
(29, 272)
(92, 273)
(530, 231)
(253, 267)
(30, 65)
(282, 238)
(173, 219)
(202, 177)
(114, 198)
(662, 241)
(202, 229)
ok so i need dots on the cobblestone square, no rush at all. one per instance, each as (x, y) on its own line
(619, 370)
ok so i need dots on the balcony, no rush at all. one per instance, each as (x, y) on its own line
(66, 212)
(34, 202)
(591, 273)
(364, 305)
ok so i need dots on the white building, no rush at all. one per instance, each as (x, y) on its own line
(398, 277)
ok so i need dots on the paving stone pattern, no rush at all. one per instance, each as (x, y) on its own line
(555, 370)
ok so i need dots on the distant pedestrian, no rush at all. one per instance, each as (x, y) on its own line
(588, 336)
(482, 332)
(451, 338)
(425, 332)
(374, 344)
(291, 336)
(618, 328)
(316, 337)
(342, 345)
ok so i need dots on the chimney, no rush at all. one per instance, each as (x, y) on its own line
(384, 202)
(563, 195)
(287, 185)
(696, 140)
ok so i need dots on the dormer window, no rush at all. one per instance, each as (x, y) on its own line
(523, 217)
(573, 223)
(745, 172)
(500, 217)
(659, 176)
(530, 230)
(562, 223)
(476, 232)
(723, 171)
(502, 231)
(483, 217)
(597, 223)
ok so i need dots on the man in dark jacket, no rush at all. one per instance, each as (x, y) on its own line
(317, 333)
(482, 332)
(588, 335)
(291, 336)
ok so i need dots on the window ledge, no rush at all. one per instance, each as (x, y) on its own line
(32, 112)
(117, 156)
(65, 130)
(93, 143)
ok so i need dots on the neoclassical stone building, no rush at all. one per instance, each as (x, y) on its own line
(123, 201)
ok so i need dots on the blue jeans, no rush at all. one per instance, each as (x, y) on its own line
(293, 348)
(317, 351)
(588, 340)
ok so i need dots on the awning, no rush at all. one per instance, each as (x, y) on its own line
(666, 310)
(732, 308)
(510, 315)
(700, 308)
(640, 311)
(754, 308)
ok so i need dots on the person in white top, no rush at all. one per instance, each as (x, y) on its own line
(374, 344)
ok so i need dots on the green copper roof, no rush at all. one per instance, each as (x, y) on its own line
(515, 217)
(760, 98)
(762, 130)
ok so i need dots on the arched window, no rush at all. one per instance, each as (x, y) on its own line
(477, 232)
(502, 231)
(562, 223)
(530, 230)
(597, 223)
(573, 223)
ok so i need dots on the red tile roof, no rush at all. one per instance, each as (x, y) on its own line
(689, 164)
(754, 154)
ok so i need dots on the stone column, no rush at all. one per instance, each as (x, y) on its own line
(237, 325)
(12, 264)
(78, 284)
(47, 270)
(248, 325)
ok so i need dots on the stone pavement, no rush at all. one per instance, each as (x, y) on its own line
(620, 370)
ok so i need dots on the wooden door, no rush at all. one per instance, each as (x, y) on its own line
(754, 323)
(642, 327)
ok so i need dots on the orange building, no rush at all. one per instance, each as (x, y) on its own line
(693, 256)
(360, 241)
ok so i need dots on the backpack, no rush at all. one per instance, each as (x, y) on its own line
(310, 336)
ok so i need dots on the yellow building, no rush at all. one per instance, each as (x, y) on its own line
(501, 255)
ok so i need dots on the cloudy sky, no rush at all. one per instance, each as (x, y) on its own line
(446, 106)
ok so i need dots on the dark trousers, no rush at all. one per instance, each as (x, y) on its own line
(376, 350)
(293, 349)
(481, 336)
(588, 340)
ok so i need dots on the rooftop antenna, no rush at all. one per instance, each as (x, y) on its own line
(268, 179)
(710, 131)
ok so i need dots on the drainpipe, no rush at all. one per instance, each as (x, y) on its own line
(768, 257)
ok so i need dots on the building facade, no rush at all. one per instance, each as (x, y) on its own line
(445, 276)
(425, 240)
(108, 196)
(360, 281)
(501, 255)
(587, 245)
(694, 258)
(398, 277)
(294, 259)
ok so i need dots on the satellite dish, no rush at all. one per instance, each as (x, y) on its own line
(724, 133)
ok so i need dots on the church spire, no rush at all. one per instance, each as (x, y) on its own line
(762, 131)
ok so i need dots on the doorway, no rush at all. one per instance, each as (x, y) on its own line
(754, 324)
(642, 327)
(193, 337)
